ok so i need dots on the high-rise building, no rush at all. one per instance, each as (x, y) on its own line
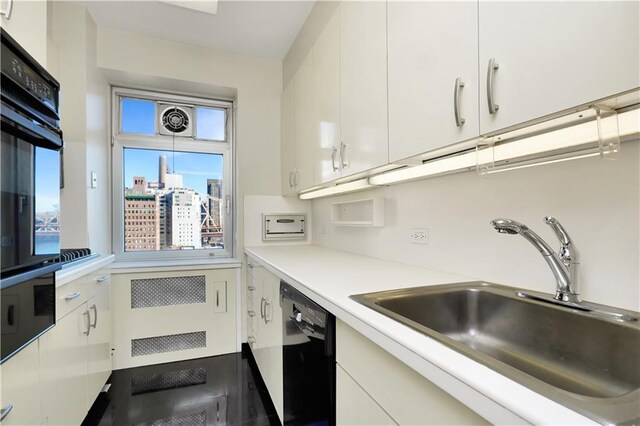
(214, 192)
(182, 219)
(141, 221)
(162, 171)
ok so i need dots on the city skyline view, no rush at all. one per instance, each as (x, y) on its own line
(166, 209)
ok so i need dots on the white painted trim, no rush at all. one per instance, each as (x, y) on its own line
(121, 141)
(128, 267)
(65, 276)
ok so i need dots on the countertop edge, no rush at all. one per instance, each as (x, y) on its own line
(65, 276)
(477, 393)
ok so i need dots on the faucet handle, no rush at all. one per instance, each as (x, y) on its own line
(567, 252)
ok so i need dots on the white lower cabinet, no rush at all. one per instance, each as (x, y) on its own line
(265, 329)
(75, 355)
(403, 394)
(356, 407)
(19, 387)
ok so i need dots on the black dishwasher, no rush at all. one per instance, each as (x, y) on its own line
(309, 360)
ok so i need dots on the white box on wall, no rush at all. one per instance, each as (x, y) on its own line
(256, 205)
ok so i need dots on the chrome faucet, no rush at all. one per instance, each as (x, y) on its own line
(563, 266)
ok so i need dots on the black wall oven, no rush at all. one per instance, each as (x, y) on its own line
(30, 164)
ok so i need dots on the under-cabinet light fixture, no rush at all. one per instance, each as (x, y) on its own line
(357, 185)
(596, 136)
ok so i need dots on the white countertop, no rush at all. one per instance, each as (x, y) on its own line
(329, 277)
(66, 275)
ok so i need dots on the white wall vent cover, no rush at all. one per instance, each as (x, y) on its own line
(170, 343)
(175, 120)
(150, 292)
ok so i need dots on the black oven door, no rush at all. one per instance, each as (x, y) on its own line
(30, 196)
(28, 303)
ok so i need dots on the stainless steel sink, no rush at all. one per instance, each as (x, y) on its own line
(584, 357)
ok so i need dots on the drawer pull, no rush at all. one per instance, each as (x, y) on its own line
(5, 411)
(251, 314)
(251, 288)
(72, 296)
(88, 314)
(251, 340)
(102, 278)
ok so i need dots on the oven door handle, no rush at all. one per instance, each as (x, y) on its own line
(26, 276)
(36, 131)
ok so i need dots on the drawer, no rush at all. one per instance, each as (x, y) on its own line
(98, 281)
(71, 295)
(19, 389)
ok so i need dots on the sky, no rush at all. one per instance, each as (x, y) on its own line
(138, 116)
(195, 168)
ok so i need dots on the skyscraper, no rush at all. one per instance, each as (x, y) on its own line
(214, 191)
(182, 219)
(141, 218)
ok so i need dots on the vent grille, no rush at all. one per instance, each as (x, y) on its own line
(169, 380)
(170, 343)
(194, 419)
(150, 292)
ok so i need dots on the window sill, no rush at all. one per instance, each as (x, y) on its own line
(124, 267)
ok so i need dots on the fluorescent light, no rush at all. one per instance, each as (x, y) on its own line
(574, 137)
(557, 160)
(357, 185)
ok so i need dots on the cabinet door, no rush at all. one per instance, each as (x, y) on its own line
(326, 58)
(354, 406)
(287, 155)
(363, 85)
(305, 123)
(63, 359)
(432, 45)
(555, 55)
(271, 336)
(99, 344)
(19, 387)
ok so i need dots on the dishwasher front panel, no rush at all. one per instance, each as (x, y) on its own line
(309, 361)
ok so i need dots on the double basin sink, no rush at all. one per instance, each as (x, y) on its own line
(584, 357)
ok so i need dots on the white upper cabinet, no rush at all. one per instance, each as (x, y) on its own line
(363, 85)
(304, 123)
(287, 156)
(326, 59)
(551, 56)
(433, 75)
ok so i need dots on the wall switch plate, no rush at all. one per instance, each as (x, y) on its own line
(94, 179)
(419, 236)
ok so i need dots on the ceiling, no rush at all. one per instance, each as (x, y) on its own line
(264, 29)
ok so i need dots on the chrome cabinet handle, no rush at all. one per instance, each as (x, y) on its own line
(291, 185)
(251, 314)
(492, 68)
(296, 173)
(72, 296)
(333, 159)
(5, 411)
(266, 316)
(251, 340)
(95, 311)
(86, 333)
(262, 307)
(456, 102)
(102, 278)
(343, 150)
(251, 288)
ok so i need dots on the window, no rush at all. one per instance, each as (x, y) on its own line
(172, 175)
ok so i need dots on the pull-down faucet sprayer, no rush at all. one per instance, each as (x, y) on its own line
(562, 266)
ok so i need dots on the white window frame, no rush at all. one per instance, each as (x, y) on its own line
(122, 140)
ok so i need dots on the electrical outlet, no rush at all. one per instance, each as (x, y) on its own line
(419, 236)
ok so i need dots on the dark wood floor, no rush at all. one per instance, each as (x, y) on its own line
(221, 390)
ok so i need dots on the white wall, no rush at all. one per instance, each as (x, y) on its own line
(596, 200)
(27, 24)
(84, 102)
(257, 82)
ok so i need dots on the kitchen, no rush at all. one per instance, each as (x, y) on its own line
(246, 174)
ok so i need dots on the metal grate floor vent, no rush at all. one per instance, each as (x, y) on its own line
(170, 343)
(194, 419)
(169, 380)
(150, 292)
